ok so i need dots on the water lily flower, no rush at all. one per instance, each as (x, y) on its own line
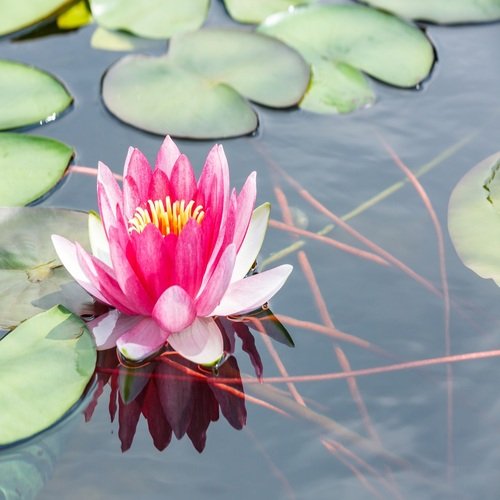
(170, 253)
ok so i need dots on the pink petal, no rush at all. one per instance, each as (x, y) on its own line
(67, 253)
(225, 234)
(151, 255)
(174, 310)
(109, 195)
(252, 243)
(214, 195)
(126, 276)
(183, 179)
(142, 340)
(131, 198)
(108, 328)
(200, 343)
(138, 168)
(159, 187)
(246, 202)
(167, 156)
(104, 282)
(188, 267)
(217, 285)
(250, 293)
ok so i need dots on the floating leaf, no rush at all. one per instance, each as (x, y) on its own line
(75, 17)
(30, 166)
(197, 89)
(474, 218)
(45, 365)
(442, 11)
(255, 11)
(151, 18)
(31, 277)
(339, 87)
(104, 39)
(352, 38)
(29, 95)
(17, 15)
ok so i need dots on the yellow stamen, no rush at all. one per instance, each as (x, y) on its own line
(168, 218)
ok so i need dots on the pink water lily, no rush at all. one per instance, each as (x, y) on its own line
(170, 253)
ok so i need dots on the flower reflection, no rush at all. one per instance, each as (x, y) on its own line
(173, 394)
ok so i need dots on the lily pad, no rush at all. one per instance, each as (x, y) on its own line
(18, 15)
(474, 218)
(75, 17)
(29, 95)
(339, 41)
(30, 166)
(255, 11)
(120, 41)
(337, 86)
(442, 11)
(31, 277)
(45, 365)
(151, 18)
(199, 88)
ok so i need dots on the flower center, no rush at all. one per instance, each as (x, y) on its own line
(168, 217)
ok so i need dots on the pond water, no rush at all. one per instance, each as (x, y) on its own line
(416, 433)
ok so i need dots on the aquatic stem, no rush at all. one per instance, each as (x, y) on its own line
(446, 293)
(427, 167)
(328, 322)
(354, 233)
(329, 241)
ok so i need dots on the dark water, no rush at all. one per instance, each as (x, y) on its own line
(342, 162)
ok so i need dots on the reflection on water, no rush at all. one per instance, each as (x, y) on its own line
(27, 466)
(172, 394)
(175, 396)
(340, 161)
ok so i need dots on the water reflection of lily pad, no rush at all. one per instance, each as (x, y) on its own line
(341, 41)
(45, 365)
(474, 219)
(442, 11)
(16, 15)
(198, 89)
(29, 95)
(31, 276)
(255, 11)
(30, 166)
(151, 18)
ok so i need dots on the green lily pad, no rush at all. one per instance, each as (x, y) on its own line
(30, 166)
(45, 365)
(29, 95)
(474, 218)
(18, 15)
(337, 86)
(255, 11)
(199, 88)
(442, 11)
(31, 277)
(151, 18)
(120, 41)
(75, 17)
(339, 40)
